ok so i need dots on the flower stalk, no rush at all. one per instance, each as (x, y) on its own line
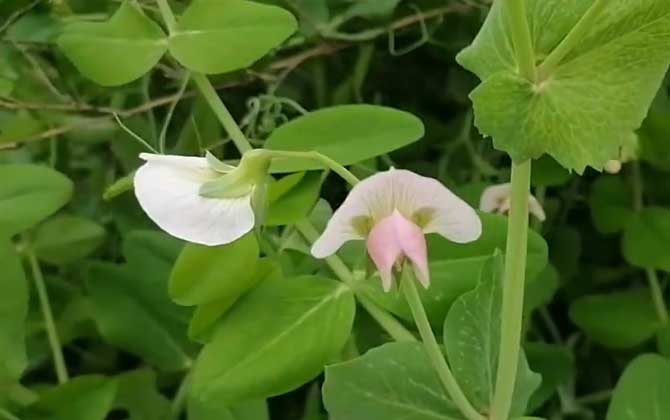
(408, 286)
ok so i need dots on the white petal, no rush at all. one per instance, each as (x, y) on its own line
(494, 197)
(378, 196)
(167, 188)
(497, 199)
(536, 209)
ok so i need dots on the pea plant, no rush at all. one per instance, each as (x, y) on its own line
(334, 209)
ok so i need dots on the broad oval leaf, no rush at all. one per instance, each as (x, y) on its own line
(220, 36)
(603, 88)
(618, 320)
(248, 410)
(472, 339)
(13, 314)
(29, 194)
(274, 340)
(205, 274)
(348, 134)
(292, 198)
(117, 51)
(82, 398)
(393, 381)
(65, 239)
(127, 321)
(494, 236)
(646, 239)
(642, 391)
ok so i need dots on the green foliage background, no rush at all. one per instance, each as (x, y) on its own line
(113, 278)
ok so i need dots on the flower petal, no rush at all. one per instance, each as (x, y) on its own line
(536, 209)
(497, 199)
(394, 238)
(378, 196)
(384, 249)
(494, 197)
(167, 188)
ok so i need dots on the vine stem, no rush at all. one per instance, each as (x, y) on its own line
(179, 401)
(386, 320)
(339, 169)
(513, 292)
(408, 286)
(574, 37)
(49, 324)
(521, 38)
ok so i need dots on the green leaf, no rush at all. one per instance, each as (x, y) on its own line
(206, 315)
(205, 274)
(449, 280)
(17, 127)
(215, 410)
(292, 198)
(654, 134)
(131, 306)
(618, 320)
(235, 34)
(494, 236)
(587, 108)
(82, 398)
(117, 51)
(472, 340)
(394, 381)
(347, 134)
(138, 395)
(13, 314)
(642, 391)
(125, 321)
(646, 239)
(556, 365)
(611, 204)
(274, 340)
(29, 194)
(65, 239)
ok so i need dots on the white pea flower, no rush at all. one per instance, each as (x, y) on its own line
(497, 199)
(200, 200)
(393, 211)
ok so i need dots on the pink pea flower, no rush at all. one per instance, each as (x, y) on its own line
(393, 211)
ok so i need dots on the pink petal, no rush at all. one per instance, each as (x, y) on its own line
(393, 238)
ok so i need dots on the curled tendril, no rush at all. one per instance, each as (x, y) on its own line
(266, 112)
(426, 36)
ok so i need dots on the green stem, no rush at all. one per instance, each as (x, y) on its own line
(168, 118)
(652, 276)
(222, 113)
(180, 398)
(521, 38)
(657, 296)
(513, 292)
(49, 324)
(391, 325)
(321, 158)
(167, 14)
(7, 415)
(433, 348)
(574, 37)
